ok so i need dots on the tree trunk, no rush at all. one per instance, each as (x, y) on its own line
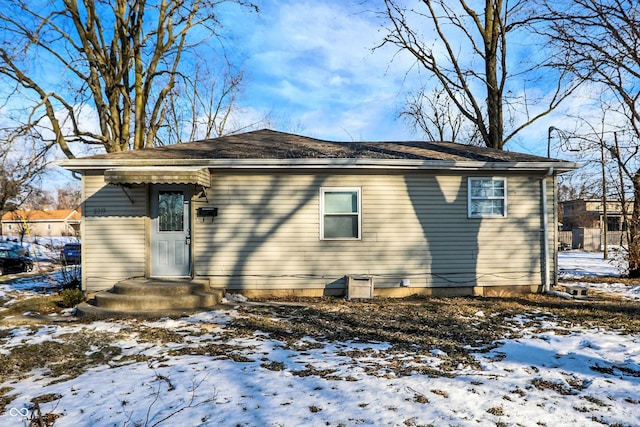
(634, 230)
(491, 36)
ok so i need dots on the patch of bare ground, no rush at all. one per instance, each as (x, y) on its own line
(420, 326)
(41, 304)
(607, 279)
(605, 312)
(66, 357)
(430, 336)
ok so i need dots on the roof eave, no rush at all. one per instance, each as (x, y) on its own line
(335, 163)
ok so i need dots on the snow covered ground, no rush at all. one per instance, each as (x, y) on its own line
(574, 265)
(553, 375)
(45, 255)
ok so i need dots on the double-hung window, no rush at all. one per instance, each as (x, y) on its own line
(487, 197)
(340, 213)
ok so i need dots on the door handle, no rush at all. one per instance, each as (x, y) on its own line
(187, 241)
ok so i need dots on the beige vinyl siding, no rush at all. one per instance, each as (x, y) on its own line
(554, 233)
(113, 231)
(414, 226)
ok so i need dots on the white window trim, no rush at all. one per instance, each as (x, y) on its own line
(470, 198)
(358, 191)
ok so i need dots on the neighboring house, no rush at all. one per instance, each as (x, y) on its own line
(54, 222)
(269, 213)
(589, 213)
(582, 221)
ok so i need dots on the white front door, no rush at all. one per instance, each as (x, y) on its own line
(170, 231)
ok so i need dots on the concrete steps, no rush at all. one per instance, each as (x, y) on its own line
(152, 298)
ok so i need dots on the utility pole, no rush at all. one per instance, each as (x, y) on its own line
(605, 222)
(551, 128)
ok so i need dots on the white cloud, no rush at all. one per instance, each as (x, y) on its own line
(312, 62)
(338, 80)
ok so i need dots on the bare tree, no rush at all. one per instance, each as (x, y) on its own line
(201, 106)
(10, 188)
(68, 197)
(40, 199)
(575, 186)
(602, 40)
(468, 57)
(434, 114)
(115, 63)
(19, 173)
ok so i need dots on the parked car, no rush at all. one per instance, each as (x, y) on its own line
(11, 246)
(12, 262)
(71, 253)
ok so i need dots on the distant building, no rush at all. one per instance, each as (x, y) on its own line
(54, 222)
(589, 213)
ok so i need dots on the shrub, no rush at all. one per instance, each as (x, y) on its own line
(71, 276)
(71, 297)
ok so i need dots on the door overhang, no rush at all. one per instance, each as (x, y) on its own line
(159, 175)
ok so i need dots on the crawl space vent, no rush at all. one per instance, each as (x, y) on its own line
(359, 287)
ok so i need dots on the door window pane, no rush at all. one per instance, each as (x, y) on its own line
(171, 211)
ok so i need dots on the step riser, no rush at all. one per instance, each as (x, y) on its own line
(158, 290)
(160, 287)
(130, 302)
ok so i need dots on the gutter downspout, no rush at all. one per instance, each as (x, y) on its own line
(545, 231)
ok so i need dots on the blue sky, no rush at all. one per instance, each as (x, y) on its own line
(312, 66)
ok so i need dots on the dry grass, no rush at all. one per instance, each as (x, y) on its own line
(599, 279)
(6, 398)
(413, 329)
(44, 304)
(33, 311)
(66, 357)
(449, 321)
(418, 326)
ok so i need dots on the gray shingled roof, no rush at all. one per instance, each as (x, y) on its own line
(269, 144)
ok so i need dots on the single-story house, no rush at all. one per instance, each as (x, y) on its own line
(40, 223)
(267, 213)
